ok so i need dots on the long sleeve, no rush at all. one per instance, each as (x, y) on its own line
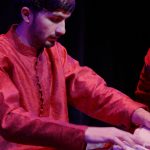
(21, 126)
(143, 87)
(34, 92)
(89, 93)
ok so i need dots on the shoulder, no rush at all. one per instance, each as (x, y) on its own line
(4, 53)
(147, 57)
(5, 44)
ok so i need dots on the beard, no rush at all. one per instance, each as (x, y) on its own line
(38, 38)
(39, 41)
(49, 44)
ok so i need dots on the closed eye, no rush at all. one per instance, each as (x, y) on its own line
(56, 19)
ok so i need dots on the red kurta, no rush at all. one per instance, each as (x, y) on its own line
(143, 88)
(34, 92)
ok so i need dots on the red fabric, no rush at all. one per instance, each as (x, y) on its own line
(34, 92)
(143, 88)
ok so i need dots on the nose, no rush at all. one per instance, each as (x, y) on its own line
(60, 29)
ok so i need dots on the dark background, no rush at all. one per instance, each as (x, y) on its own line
(111, 38)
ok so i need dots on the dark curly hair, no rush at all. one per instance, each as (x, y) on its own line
(39, 5)
(50, 5)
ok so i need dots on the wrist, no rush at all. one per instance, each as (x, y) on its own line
(138, 117)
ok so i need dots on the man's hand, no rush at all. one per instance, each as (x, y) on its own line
(109, 134)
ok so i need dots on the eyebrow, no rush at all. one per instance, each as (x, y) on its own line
(59, 13)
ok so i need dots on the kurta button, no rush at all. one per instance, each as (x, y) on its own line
(41, 99)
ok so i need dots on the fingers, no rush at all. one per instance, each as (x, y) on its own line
(125, 140)
(120, 143)
(114, 135)
(139, 147)
(129, 140)
(146, 145)
(142, 135)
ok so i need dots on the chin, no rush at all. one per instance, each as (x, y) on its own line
(49, 44)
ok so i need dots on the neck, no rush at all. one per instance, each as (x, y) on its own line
(24, 36)
(22, 31)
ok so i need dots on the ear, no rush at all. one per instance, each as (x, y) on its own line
(26, 14)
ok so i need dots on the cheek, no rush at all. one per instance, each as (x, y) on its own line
(47, 27)
(44, 27)
(41, 31)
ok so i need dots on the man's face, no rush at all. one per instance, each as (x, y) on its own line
(47, 27)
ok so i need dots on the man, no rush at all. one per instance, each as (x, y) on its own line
(143, 87)
(39, 79)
